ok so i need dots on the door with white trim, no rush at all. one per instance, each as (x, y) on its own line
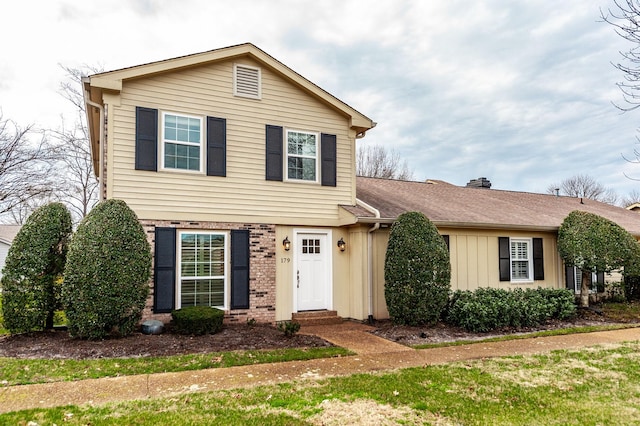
(313, 271)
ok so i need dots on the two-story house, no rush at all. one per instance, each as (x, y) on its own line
(242, 172)
(237, 167)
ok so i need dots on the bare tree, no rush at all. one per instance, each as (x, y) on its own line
(376, 161)
(584, 186)
(80, 188)
(625, 18)
(26, 166)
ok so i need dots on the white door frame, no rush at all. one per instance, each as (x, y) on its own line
(328, 261)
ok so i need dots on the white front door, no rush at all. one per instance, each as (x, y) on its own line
(313, 271)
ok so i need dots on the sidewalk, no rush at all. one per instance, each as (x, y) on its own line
(373, 354)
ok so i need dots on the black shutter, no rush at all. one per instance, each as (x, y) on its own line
(570, 278)
(216, 146)
(538, 259)
(274, 153)
(239, 269)
(146, 139)
(446, 241)
(164, 276)
(505, 258)
(600, 282)
(328, 159)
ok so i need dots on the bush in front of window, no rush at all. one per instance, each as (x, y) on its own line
(417, 271)
(594, 243)
(107, 273)
(33, 269)
(487, 309)
(197, 320)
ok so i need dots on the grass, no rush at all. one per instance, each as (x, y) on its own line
(599, 385)
(28, 371)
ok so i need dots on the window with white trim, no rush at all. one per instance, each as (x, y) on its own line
(302, 156)
(202, 269)
(521, 260)
(595, 280)
(182, 142)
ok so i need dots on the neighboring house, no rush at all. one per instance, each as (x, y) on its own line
(7, 234)
(242, 173)
(502, 239)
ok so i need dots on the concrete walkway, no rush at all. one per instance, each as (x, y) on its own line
(373, 354)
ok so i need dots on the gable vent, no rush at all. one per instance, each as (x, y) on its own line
(246, 81)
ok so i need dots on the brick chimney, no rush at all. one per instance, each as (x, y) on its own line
(479, 183)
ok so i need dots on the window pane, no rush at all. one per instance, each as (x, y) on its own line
(202, 269)
(520, 270)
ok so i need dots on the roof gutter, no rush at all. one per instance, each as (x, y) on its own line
(89, 102)
(374, 228)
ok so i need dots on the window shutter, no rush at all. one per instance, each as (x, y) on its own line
(505, 258)
(446, 241)
(239, 269)
(538, 259)
(274, 153)
(146, 139)
(570, 278)
(600, 282)
(164, 276)
(328, 156)
(216, 146)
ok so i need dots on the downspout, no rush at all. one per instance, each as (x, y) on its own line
(374, 228)
(88, 101)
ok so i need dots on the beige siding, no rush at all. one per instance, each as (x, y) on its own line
(474, 262)
(244, 193)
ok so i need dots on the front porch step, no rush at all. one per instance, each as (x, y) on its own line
(316, 317)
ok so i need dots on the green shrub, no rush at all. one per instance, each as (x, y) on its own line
(197, 320)
(288, 328)
(417, 271)
(34, 264)
(489, 309)
(108, 269)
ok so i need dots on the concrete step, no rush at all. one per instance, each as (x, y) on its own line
(323, 317)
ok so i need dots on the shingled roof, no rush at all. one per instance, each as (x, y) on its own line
(450, 205)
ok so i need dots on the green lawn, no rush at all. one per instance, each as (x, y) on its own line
(594, 386)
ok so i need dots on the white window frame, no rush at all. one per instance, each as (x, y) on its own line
(180, 277)
(287, 155)
(164, 141)
(235, 81)
(529, 259)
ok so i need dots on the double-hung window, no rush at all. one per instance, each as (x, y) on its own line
(182, 140)
(302, 156)
(202, 268)
(521, 260)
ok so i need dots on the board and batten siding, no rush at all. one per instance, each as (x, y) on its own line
(474, 262)
(243, 194)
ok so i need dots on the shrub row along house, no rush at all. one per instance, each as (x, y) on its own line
(242, 173)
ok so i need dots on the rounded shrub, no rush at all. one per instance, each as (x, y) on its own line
(33, 269)
(417, 271)
(197, 320)
(108, 269)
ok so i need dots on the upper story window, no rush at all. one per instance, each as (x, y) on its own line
(302, 156)
(182, 142)
(247, 81)
(521, 260)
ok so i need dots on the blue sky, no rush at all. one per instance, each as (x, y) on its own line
(518, 92)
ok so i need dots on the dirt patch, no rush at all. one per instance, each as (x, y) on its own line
(441, 332)
(58, 344)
